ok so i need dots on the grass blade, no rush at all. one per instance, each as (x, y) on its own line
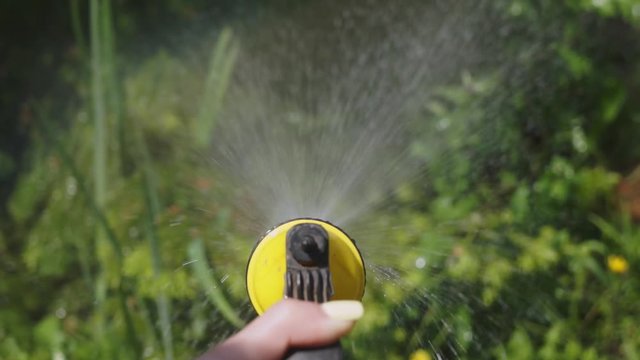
(199, 262)
(113, 86)
(221, 67)
(97, 18)
(76, 26)
(99, 157)
(153, 209)
(98, 108)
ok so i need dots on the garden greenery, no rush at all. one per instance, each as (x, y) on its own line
(120, 241)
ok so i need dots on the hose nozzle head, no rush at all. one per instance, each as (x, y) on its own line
(306, 259)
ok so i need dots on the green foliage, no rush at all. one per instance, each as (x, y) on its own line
(513, 245)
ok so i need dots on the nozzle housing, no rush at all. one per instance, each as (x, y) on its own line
(307, 259)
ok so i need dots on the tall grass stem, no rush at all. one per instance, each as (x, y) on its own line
(153, 209)
(223, 58)
(213, 289)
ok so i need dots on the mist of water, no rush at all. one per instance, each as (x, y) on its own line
(317, 120)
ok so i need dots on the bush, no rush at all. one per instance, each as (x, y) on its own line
(519, 242)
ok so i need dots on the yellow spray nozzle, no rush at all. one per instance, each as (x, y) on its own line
(306, 259)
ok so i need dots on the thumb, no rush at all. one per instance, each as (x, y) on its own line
(290, 323)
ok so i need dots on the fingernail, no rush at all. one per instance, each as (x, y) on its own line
(349, 310)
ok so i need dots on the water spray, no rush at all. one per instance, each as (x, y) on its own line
(305, 259)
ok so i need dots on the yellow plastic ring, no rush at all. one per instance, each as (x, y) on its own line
(267, 265)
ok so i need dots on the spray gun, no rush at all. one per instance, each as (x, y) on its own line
(305, 259)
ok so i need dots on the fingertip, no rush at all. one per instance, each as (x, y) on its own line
(315, 324)
(350, 310)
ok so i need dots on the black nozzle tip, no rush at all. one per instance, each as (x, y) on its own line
(308, 244)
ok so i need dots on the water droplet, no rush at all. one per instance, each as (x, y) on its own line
(599, 3)
(442, 124)
(189, 262)
(133, 232)
(61, 313)
(72, 186)
(148, 351)
(578, 138)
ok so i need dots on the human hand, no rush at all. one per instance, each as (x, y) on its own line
(289, 324)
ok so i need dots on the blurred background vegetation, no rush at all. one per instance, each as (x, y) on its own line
(117, 239)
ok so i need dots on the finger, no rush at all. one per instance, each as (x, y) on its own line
(289, 324)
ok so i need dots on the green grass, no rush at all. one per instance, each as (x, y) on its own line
(202, 272)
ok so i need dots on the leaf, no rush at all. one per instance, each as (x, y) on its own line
(578, 64)
(220, 70)
(612, 103)
(212, 288)
(606, 228)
